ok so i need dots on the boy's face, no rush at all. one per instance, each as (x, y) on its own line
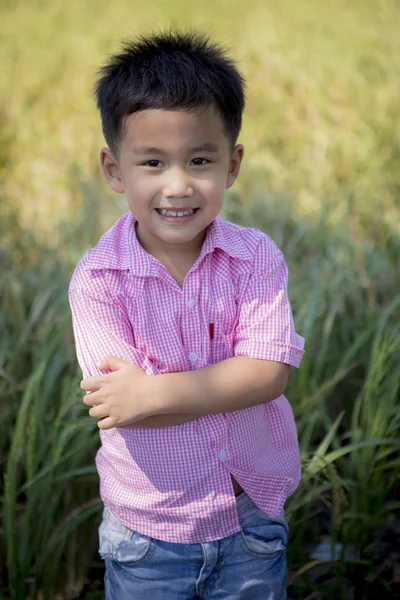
(173, 160)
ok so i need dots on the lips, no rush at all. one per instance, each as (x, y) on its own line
(176, 213)
(185, 208)
(174, 218)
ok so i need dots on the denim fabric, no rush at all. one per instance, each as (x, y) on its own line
(248, 565)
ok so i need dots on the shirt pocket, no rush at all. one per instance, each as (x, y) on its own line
(221, 343)
(220, 317)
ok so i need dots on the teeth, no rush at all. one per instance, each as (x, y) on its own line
(171, 213)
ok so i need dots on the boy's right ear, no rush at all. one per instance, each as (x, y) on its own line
(111, 170)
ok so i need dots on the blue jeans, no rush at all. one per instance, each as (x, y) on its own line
(247, 565)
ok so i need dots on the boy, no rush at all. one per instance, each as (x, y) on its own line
(184, 334)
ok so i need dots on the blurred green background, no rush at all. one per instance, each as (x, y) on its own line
(321, 176)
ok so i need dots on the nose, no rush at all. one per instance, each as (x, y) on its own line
(177, 185)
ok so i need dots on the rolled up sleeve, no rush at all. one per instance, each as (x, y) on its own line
(265, 327)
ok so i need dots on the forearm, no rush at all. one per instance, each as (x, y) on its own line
(233, 384)
(166, 420)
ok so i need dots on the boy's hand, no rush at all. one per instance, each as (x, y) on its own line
(120, 397)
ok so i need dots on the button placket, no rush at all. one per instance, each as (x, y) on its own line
(190, 316)
(222, 455)
(192, 356)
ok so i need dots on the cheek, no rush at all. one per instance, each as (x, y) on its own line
(142, 186)
(213, 187)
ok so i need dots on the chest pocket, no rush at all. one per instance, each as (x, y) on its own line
(221, 345)
(221, 316)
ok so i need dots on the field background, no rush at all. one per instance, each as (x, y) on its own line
(321, 175)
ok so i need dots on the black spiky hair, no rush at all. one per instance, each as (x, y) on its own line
(172, 70)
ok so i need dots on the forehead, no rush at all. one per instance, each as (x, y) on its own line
(174, 129)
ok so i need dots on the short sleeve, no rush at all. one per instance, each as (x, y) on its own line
(101, 327)
(265, 327)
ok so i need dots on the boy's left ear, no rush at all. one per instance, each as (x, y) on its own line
(234, 165)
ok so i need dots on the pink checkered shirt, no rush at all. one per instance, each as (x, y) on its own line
(174, 483)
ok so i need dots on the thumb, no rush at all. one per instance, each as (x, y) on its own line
(112, 363)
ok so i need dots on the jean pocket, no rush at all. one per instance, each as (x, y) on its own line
(263, 536)
(118, 542)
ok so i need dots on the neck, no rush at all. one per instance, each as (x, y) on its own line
(158, 248)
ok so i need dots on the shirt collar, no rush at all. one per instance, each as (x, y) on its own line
(119, 248)
(226, 236)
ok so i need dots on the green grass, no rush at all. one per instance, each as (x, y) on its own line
(321, 176)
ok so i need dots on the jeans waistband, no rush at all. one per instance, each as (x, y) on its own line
(244, 503)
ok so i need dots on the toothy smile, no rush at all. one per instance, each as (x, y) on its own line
(173, 213)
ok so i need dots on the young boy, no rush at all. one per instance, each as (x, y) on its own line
(185, 334)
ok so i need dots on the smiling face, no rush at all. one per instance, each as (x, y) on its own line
(173, 160)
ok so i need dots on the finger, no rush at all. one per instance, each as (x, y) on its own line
(91, 384)
(112, 363)
(98, 412)
(93, 399)
(106, 423)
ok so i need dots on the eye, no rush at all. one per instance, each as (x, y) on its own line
(152, 163)
(199, 162)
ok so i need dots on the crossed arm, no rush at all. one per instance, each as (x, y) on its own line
(129, 397)
(133, 393)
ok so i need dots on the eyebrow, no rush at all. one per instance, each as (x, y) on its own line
(206, 147)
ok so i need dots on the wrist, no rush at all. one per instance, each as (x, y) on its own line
(159, 397)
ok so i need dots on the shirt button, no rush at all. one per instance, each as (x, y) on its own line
(222, 454)
(191, 303)
(193, 357)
